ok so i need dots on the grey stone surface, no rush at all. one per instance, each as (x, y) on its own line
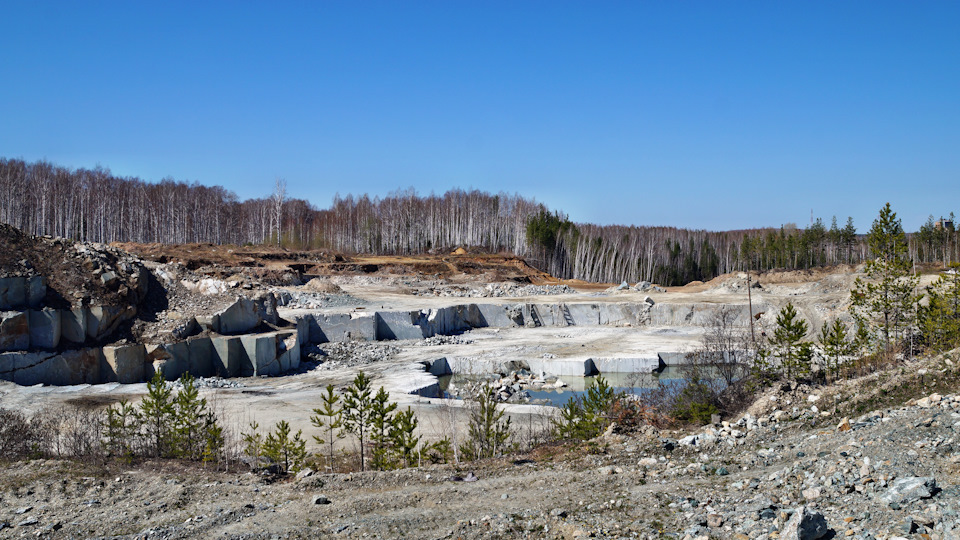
(14, 331)
(584, 314)
(440, 367)
(261, 353)
(13, 292)
(26, 368)
(288, 351)
(173, 359)
(492, 315)
(627, 365)
(73, 324)
(909, 489)
(36, 291)
(303, 329)
(228, 357)
(79, 366)
(242, 316)
(338, 327)
(202, 356)
(398, 325)
(44, 328)
(805, 524)
(444, 321)
(103, 320)
(208, 322)
(123, 364)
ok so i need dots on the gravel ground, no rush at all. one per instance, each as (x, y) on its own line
(787, 469)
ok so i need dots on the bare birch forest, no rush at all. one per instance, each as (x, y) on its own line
(94, 205)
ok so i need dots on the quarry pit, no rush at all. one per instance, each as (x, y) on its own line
(267, 330)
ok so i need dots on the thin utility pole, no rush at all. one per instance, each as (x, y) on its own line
(750, 303)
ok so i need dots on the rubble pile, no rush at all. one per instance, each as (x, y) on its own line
(347, 354)
(494, 290)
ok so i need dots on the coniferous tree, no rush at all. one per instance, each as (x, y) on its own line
(158, 413)
(121, 428)
(327, 417)
(403, 438)
(887, 298)
(355, 414)
(286, 451)
(787, 337)
(488, 432)
(835, 344)
(381, 421)
(939, 319)
(195, 431)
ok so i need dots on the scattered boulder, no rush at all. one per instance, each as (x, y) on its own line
(909, 489)
(805, 524)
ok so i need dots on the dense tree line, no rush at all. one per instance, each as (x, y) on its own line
(95, 205)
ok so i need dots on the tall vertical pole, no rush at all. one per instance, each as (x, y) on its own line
(750, 303)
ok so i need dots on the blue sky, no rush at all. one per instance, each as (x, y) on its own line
(717, 115)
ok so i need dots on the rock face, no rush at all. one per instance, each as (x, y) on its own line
(242, 316)
(123, 364)
(805, 524)
(73, 325)
(14, 331)
(13, 292)
(44, 328)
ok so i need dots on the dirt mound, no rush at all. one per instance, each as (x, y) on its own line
(75, 273)
(321, 285)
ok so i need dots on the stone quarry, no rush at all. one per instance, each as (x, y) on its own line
(265, 332)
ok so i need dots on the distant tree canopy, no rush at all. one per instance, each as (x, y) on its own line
(94, 205)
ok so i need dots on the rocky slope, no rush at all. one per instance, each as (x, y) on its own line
(793, 467)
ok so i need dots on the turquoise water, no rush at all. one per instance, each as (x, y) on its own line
(634, 383)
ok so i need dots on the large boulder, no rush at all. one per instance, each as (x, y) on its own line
(909, 489)
(288, 351)
(27, 368)
(79, 366)
(36, 291)
(805, 524)
(242, 316)
(14, 331)
(124, 364)
(171, 359)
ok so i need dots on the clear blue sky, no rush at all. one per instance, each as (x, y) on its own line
(717, 115)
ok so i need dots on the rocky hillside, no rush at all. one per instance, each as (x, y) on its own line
(793, 467)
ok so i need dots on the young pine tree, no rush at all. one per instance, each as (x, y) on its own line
(403, 438)
(120, 430)
(835, 344)
(886, 299)
(157, 412)
(787, 336)
(195, 432)
(355, 414)
(488, 431)
(284, 450)
(381, 421)
(939, 319)
(327, 418)
(253, 443)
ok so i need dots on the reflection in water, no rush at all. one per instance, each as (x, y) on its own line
(634, 383)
